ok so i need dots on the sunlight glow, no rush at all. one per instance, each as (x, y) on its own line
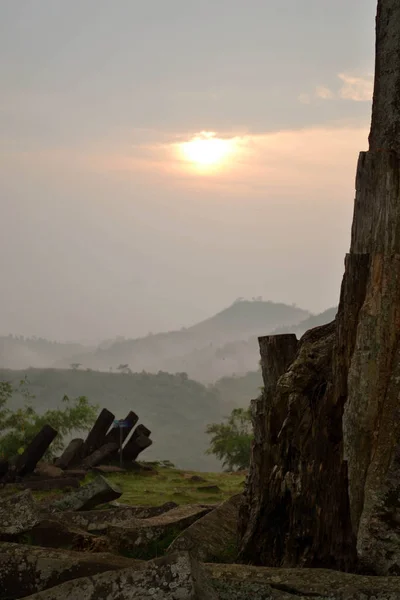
(206, 150)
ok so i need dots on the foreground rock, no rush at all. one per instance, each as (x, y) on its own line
(174, 577)
(240, 582)
(148, 538)
(26, 570)
(323, 488)
(295, 510)
(99, 520)
(18, 513)
(98, 491)
(213, 538)
(54, 533)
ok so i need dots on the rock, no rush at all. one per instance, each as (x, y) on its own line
(28, 460)
(210, 489)
(134, 446)
(108, 469)
(213, 538)
(196, 478)
(97, 434)
(3, 467)
(71, 454)
(174, 577)
(323, 487)
(48, 471)
(55, 533)
(99, 455)
(98, 491)
(242, 582)
(18, 513)
(147, 538)
(114, 434)
(98, 520)
(26, 570)
(295, 507)
(62, 483)
(76, 473)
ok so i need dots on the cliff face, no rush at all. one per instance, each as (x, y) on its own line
(324, 483)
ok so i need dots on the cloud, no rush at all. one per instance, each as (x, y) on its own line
(358, 89)
(353, 87)
(304, 98)
(323, 92)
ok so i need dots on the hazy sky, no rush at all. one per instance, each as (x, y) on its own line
(106, 228)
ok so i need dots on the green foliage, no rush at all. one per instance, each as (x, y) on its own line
(18, 427)
(231, 441)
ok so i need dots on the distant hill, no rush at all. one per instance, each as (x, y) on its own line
(175, 408)
(312, 321)
(214, 348)
(18, 352)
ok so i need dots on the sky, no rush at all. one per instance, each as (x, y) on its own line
(110, 222)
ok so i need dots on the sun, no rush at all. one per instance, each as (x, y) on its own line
(206, 150)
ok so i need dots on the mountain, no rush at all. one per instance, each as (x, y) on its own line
(175, 408)
(312, 321)
(216, 347)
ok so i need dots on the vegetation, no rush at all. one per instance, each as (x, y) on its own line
(168, 484)
(18, 427)
(231, 441)
(175, 408)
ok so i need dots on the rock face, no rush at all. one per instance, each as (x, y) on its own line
(26, 570)
(295, 509)
(98, 491)
(242, 582)
(175, 577)
(213, 538)
(18, 513)
(147, 538)
(324, 484)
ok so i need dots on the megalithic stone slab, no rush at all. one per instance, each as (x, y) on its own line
(99, 455)
(98, 491)
(97, 434)
(167, 578)
(135, 446)
(71, 454)
(114, 434)
(18, 513)
(3, 467)
(30, 569)
(27, 462)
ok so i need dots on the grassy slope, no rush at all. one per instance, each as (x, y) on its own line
(170, 485)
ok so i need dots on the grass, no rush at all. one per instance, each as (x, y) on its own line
(168, 485)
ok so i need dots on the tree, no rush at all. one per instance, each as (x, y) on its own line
(19, 427)
(75, 366)
(231, 441)
(124, 369)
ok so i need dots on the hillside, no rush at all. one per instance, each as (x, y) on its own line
(175, 408)
(312, 321)
(214, 348)
(19, 352)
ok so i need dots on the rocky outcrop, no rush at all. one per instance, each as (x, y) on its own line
(26, 569)
(174, 577)
(324, 484)
(213, 538)
(148, 538)
(18, 513)
(98, 491)
(295, 508)
(242, 582)
(99, 520)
